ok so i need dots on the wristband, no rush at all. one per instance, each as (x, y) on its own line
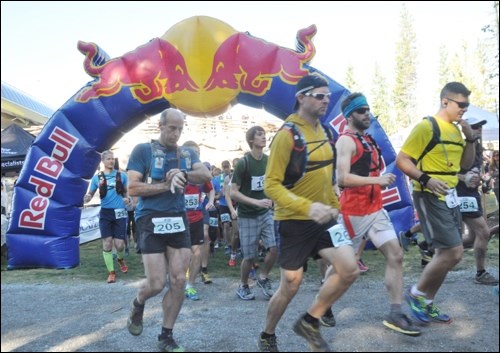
(185, 173)
(471, 141)
(424, 179)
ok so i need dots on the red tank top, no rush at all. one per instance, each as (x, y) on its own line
(363, 200)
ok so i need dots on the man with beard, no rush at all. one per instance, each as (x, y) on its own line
(359, 171)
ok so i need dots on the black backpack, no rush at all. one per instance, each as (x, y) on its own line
(299, 163)
(435, 140)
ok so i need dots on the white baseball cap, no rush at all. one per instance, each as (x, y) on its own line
(475, 121)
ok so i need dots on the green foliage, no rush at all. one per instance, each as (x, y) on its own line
(404, 93)
(380, 103)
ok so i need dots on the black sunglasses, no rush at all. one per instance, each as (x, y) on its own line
(318, 96)
(461, 105)
(362, 110)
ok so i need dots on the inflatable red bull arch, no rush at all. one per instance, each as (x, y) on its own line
(202, 66)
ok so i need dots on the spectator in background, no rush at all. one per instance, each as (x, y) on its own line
(493, 172)
(4, 199)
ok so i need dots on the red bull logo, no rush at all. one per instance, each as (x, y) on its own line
(199, 65)
(153, 71)
(249, 64)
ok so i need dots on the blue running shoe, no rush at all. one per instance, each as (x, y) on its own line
(436, 315)
(404, 241)
(418, 307)
(191, 293)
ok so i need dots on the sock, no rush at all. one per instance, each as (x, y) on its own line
(165, 332)
(479, 273)
(408, 234)
(416, 293)
(204, 269)
(120, 254)
(428, 301)
(264, 335)
(136, 303)
(188, 285)
(311, 319)
(108, 260)
(395, 308)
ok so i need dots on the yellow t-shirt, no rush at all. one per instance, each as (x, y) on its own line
(315, 186)
(443, 157)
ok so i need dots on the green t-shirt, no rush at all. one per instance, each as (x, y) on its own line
(249, 174)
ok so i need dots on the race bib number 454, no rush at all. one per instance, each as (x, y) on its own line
(168, 225)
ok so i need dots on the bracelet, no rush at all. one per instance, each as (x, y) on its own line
(471, 141)
(424, 179)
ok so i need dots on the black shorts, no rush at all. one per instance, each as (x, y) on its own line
(224, 214)
(154, 243)
(196, 230)
(110, 226)
(301, 239)
(465, 191)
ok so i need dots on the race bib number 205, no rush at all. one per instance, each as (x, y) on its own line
(168, 225)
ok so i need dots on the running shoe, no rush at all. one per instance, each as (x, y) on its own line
(112, 277)
(404, 241)
(191, 293)
(328, 320)
(436, 315)
(487, 279)
(206, 278)
(134, 322)
(399, 322)
(265, 284)
(269, 344)
(244, 292)
(312, 335)
(362, 267)
(123, 265)
(168, 344)
(418, 307)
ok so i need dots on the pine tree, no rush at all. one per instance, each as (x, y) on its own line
(404, 93)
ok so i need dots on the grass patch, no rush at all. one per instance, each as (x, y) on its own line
(92, 268)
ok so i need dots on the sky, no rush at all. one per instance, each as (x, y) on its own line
(39, 54)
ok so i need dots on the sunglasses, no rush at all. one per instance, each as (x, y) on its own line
(362, 110)
(318, 96)
(461, 105)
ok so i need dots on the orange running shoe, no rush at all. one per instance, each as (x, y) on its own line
(123, 265)
(112, 277)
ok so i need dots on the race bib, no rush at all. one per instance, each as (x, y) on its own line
(168, 225)
(120, 213)
(191, 201)
(452, 198)
(213, 222)
(257, 183)
(468, 204)
(339, 235)
(225, 217)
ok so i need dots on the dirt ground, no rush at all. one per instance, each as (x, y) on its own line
(91, 317)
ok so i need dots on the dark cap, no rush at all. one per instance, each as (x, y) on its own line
(308, 83)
